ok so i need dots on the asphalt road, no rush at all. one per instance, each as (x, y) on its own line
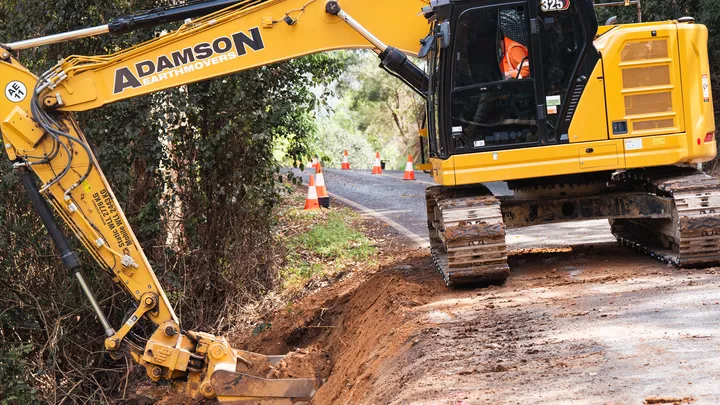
(403, 202)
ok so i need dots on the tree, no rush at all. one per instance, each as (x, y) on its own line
(377, 112)
(207, 145)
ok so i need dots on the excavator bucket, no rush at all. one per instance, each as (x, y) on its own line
(240, 387)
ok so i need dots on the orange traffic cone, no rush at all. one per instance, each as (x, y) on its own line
(312, 163)
(409, 171)
(323, 197)
(345, 162)
(311, 202)
(377, 169)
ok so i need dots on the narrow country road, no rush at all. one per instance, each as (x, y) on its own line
(403, 202)
(593, 325)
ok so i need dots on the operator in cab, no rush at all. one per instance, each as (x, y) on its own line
(514, 61)
(513, 56)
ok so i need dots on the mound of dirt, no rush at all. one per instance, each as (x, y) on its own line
(309, 362)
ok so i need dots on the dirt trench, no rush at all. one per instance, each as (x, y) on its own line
(350, 330)
(585, 325)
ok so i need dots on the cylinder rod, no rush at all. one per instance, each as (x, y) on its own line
(109, 331)
(362, 31)
(69, 258)
(57, 38)
(130, 23)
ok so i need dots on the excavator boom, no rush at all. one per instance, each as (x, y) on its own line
(243, 36)
(41, 137)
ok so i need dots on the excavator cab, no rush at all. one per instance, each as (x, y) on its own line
(476, 106)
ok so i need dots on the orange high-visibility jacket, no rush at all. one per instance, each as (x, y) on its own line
(513, 55)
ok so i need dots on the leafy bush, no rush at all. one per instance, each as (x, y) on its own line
(13, 372)
(330, 245)
(193, 170)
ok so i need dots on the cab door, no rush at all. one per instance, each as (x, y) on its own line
(492, 107)
(570, 65)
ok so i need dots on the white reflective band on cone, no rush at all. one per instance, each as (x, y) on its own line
(312, 193)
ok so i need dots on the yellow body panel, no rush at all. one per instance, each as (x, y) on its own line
(642, 80)
(526, 163)
(590, 120)
(660, 91)
(566, 159)
(604, 28)
(697, 92)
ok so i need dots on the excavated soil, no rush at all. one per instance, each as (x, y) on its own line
(357, 323)
(592, 324)
(587, 324)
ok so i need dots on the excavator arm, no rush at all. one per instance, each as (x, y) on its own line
(240, 37)
(44, 142)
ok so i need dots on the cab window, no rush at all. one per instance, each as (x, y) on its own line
(492, 100)
(562, 39)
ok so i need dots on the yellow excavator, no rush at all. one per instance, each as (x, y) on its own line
(582, 121)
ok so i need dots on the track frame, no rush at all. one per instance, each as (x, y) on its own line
(670, 213)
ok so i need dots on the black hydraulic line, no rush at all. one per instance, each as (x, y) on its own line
(69, 258)
(397, 64)
(155, 17)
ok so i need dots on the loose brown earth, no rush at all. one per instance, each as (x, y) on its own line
(583, 325)
(590, 325)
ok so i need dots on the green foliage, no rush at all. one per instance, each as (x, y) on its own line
(335, 239)
(13, 371)
(329, 246)
(220, 164)
(376, 112)
(46, 320)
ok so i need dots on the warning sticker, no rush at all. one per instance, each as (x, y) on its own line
(552, 110)
(706, 88)
(130, 322)
(633, 144)
(552, 100)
